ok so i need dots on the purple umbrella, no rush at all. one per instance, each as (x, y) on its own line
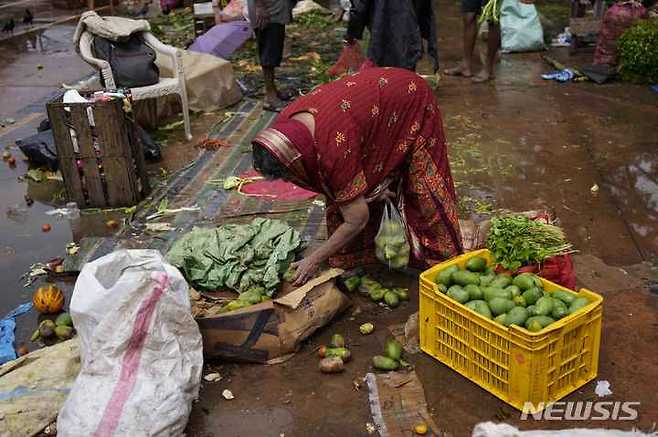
(223, 39)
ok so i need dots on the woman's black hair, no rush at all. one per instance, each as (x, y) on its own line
(267, 164)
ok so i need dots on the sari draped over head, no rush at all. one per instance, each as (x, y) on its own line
(375, 129)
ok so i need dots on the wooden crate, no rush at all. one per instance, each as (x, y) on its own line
(99, 154)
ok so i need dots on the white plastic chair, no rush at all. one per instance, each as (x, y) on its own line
(165, 86)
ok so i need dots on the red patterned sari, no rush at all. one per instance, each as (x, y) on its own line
(378, 128)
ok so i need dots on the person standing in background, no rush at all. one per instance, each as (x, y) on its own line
(397, 29)
(268, 19)
(470, 11)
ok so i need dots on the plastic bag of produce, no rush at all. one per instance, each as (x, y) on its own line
(391, 244)
(141, 350)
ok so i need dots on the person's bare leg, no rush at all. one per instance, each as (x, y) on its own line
(493, 44)
(271, 93)
(470, 35)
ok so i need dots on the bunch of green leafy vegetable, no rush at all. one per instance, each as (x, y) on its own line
(242, 257)
(516, 240)
(638, 52)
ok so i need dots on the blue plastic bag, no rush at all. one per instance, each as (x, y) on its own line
(7, 326)
(521, 29)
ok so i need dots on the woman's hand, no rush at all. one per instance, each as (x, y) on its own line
(355, 215)
(304, 270)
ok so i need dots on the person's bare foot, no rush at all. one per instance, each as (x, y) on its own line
(483, 76)
(460, 70)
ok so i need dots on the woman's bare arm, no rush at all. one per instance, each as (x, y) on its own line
(355, 218)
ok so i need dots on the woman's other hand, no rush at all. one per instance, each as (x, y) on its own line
(304, 270)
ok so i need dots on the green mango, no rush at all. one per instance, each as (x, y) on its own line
(442, 288)
(491, 292)
(544, 321)
(490, 270)
(559, 309)
(391, 298)
(534, 326)
(458, 293)
(352, 283)
(486, 279)
(463, 278)
(524, 281)
(64, 319)
(501, 319)
(499, 305)
(577, 304)
(532, 295)
(474, 292)
(516, 291)
(564, 296)
(252, 297)
(544, 306)
(516, 316)
(502, 280)
(476, 264)
(402, 293)
(384, 363)
(445, 276)
(531, 310)
(519, 301)
(377, 294)
(480, 307)
(393, 349)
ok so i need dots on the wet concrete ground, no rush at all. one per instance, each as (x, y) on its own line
(517, 143)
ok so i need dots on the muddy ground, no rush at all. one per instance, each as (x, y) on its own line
(516, 143)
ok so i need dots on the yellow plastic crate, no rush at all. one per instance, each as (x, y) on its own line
(514, 364)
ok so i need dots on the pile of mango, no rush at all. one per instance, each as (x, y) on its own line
(392, 358)
(377, 292)
(252, 296)
(334, 357)
(54, 331)
(509, 300)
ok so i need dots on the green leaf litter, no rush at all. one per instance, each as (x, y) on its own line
(240, 257)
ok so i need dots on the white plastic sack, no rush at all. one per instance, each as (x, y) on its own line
(520, 27)
(140, 349)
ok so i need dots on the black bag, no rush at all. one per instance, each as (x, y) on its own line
(40, 150)
(132, 61)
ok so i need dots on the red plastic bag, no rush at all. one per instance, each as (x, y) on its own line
(616, 20)
(558, 269)
(349, 61)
